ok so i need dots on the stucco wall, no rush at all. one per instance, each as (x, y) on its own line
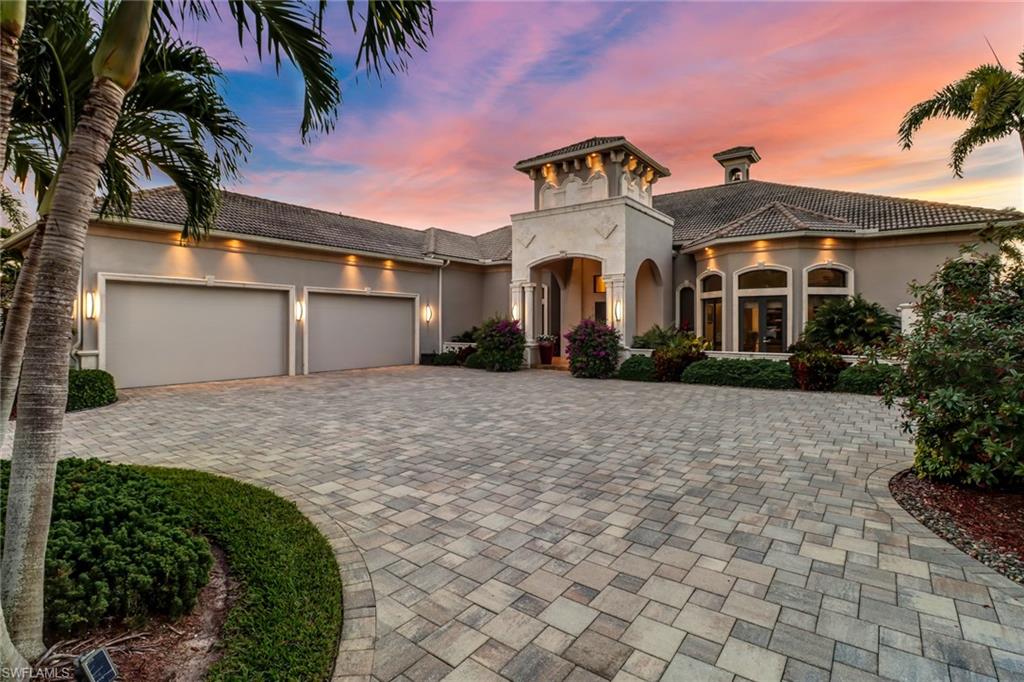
(156, 253)
(494, 296)
(463, 299)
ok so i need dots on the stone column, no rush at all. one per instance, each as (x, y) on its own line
(529, 311)
(615, 296)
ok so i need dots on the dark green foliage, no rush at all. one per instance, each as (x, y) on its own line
(90, 388)
(848, 325)
(637, 368)
(739, 372)
(463, 353)
(655, 337)
(961, 391)
(816, 370)
(867, 378)
(500, 343)
(474, 361)
(120, 548)
(446, 359)
(673, 358)
(593, 350)
(468, 336)
(286, 623)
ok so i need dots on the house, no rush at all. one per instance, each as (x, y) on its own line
(283, 289)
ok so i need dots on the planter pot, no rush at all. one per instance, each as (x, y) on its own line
(547, 351)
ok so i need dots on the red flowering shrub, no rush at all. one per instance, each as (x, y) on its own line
(593, 350)
(500, 345)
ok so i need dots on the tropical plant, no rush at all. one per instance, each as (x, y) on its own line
(816, 370)
(757, 373)
(636, 368)
(849, 325)
(961, 392)
(990, 97)
(671, 359)
(656, 337)
(500, 345)
(12, 22)
(169, 118)
(593, 350)
(281, 28)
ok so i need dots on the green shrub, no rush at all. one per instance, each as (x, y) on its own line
(446, 359)
(739, 372)
(673, 358)
(848, 325)
(593, 350)
(500, 344)
(468, 336)
(868, 378)
(120, 548)
(655, 337)
(961, 392)
(90, 388)
(463, 353)
(474, 361)
(637, 368)
(287, 620)
(816, 370)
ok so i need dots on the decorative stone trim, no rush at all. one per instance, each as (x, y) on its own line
(999, 585)
(455, 346)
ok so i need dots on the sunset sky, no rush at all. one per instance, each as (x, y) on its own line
(819, 89)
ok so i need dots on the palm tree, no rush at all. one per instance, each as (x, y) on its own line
(284, 27)
(990, 97)
(169, 117)
(12, 20)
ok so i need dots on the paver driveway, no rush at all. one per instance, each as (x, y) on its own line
(537, 527)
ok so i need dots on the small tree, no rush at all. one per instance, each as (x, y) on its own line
(848, 325)
(962, 389)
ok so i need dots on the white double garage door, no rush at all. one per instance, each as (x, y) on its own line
(155, 333)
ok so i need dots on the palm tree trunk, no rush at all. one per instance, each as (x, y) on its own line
(12, 348)
(12, 19)
(12, 663)
(42, 397)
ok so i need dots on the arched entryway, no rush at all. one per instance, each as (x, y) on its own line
(649, 298)
(568, 289)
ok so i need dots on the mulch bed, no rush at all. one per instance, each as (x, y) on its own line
(985, 524)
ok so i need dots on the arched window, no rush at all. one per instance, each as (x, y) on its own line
(711, 319)
(685, 309)
(762, 317)
(823, 283)
(736, 175)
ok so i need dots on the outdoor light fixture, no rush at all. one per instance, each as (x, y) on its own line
(618, 311)
(96, 666)
(428, 313)
(92, 305)
(300, 311)
(515, 312)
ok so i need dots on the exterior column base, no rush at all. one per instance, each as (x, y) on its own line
(531, 355)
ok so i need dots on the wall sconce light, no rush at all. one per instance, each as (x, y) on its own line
(92, 305)
(428, 313)
(618, 311)
(300, 311)
(515, 312)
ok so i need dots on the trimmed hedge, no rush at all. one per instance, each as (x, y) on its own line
(90, 388)
(740, 372)
(475, 361)
(287, 621)
(446, 359)
(868, 379)
(637, 368)
(121, 548)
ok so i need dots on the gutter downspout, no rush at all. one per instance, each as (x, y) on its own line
(80, 322)
(440, 304)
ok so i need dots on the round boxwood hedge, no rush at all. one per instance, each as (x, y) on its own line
(637, 368)
(867, 378)
(90, 388)
(740, 372)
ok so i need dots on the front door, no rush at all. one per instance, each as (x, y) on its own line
(763, 324)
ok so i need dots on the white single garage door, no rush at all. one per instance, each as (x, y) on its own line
(173, 334)
(352, 331)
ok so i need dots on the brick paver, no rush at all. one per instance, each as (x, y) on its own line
(532, 526)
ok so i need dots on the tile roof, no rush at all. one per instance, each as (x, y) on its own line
(701, 212)
(777, 217)
(254, 216)
(575, 147)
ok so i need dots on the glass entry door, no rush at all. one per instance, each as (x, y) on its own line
(763, 324)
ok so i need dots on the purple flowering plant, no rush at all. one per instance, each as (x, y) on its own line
(501, 344)
(593, 350)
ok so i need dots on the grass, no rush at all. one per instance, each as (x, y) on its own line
(287, 620)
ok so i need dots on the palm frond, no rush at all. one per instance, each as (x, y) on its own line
(972, 138)
(390, 32)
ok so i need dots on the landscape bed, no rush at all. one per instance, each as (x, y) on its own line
(985, 524)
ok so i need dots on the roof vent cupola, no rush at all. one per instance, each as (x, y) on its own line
(737, 161)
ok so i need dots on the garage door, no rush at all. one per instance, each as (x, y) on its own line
(173, 334)
(349, 331)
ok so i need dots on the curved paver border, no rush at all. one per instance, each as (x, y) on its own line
(878, 486)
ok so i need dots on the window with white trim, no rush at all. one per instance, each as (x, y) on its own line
(823, 283)
(711, 312)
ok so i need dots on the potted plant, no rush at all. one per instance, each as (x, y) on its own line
(546, 346)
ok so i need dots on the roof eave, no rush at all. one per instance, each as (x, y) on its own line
(525, 165)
